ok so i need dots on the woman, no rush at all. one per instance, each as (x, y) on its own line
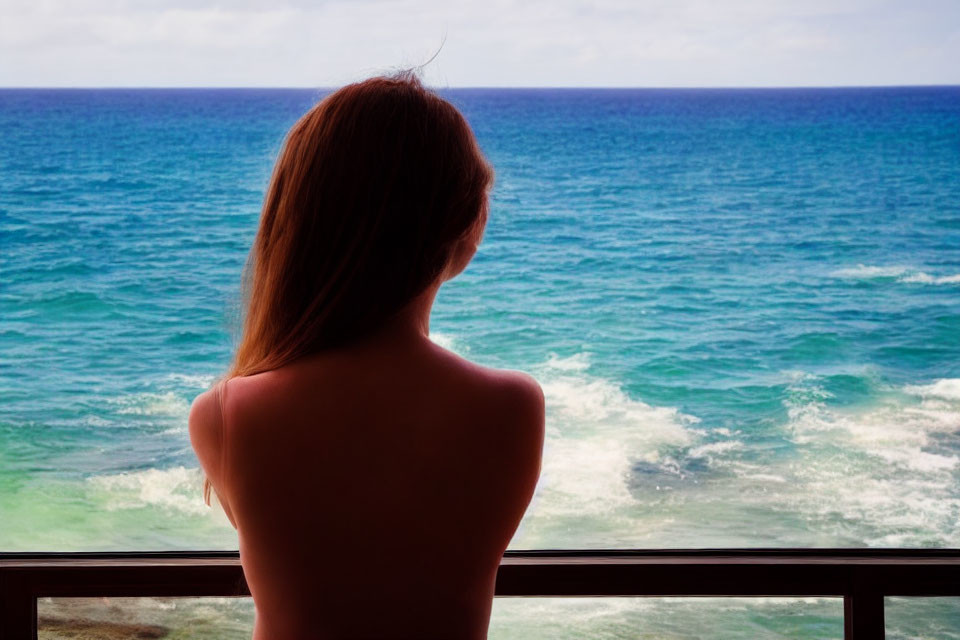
(374, 478)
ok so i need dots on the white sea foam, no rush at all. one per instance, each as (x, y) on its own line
(196, 381)
(862, 271)
(444, 340)
(946, 389)
(576, 362)
(925, 278)
(899, 435)
(714, 449)
(595, 433)
(168, 403)
(902, 273)
(762, 477)
(853, 477)
(96, 421)
(153, 404)
(558, 615)
(176, 489)
(881, 474)
(667, 618)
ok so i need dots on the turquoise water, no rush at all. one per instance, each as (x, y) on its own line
(743, 306)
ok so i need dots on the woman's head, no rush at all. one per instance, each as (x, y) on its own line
(379, 192)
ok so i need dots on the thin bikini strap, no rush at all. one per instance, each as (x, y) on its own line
(221, 396)
(221, 391)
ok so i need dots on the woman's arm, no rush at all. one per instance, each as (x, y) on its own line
(206, 436)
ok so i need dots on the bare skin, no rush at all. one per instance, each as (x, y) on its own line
(374, 487)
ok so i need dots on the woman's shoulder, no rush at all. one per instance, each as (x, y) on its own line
(518, 393)
(517, 423)
(515, 396)
(205, 422)
(503, 415)
(216, 413)
(508, 397)
(508, 388)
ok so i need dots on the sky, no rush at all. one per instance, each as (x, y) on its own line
(502, 43)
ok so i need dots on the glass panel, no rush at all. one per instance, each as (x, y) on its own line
(666, 618)
(742, 306)
(512, 618)
(922, 618)
(121, 618)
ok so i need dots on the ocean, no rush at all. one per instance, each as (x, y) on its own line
(743, 307)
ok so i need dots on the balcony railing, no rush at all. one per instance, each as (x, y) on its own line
(862, 577)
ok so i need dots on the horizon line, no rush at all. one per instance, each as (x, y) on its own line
(480, 87)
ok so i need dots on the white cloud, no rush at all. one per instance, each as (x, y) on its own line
(488, 43)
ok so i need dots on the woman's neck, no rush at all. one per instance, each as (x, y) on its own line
(410, 324)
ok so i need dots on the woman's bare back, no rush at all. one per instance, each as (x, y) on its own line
(374, 488)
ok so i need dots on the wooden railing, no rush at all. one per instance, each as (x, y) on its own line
(861, 577)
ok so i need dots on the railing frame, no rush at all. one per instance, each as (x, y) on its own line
(862, 577)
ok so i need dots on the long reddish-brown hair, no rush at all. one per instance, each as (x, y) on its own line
(372, 190)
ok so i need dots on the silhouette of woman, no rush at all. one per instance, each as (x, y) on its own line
(374, 478)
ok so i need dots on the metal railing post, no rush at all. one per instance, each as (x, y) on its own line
(863, 615)
(18, 606)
